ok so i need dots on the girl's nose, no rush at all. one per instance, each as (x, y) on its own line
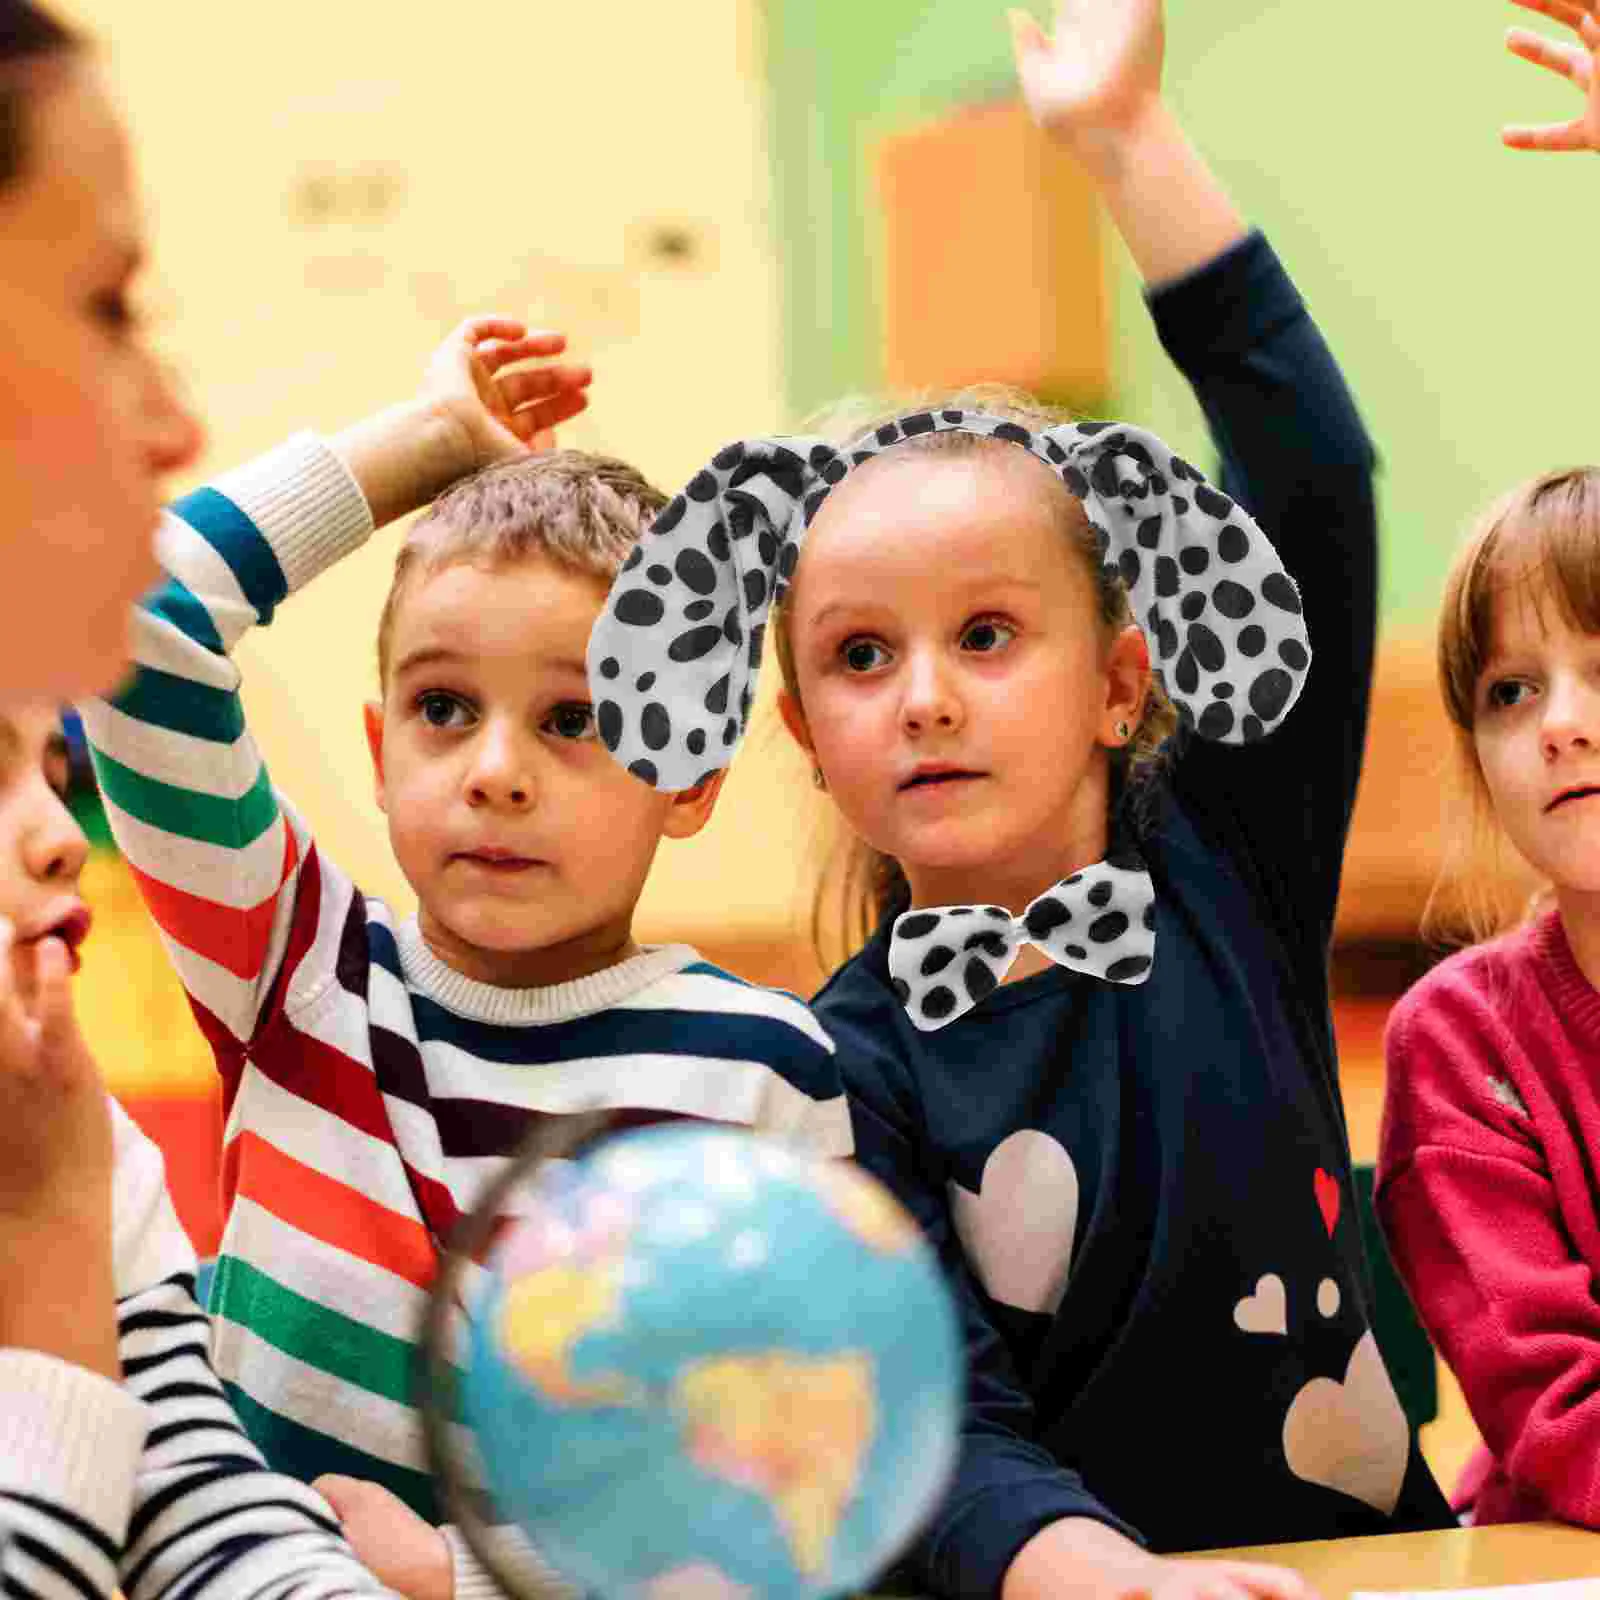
(931, 702)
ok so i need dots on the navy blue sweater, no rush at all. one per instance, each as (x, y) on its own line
(1176, 1152)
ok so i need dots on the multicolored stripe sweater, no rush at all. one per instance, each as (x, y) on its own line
(149, 1484)
(370, 1090)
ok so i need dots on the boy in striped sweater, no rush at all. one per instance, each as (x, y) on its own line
(377, 1071)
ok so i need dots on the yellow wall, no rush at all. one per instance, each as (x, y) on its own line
(527, 150)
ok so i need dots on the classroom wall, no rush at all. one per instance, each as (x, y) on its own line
(333, 186)
(1446, 271)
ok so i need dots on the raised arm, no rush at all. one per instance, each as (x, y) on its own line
(1292, 447)
(217, 854)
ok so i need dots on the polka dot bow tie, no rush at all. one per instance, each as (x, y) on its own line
(948, 959)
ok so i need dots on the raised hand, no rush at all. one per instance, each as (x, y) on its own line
(502, 413)
(1574, 62)
(1098, 76)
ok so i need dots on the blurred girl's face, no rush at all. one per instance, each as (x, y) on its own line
(89, 425)
(42, 848)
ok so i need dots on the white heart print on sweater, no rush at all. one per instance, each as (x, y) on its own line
(1018, 1229)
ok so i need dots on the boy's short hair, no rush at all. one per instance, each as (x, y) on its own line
(585, 512)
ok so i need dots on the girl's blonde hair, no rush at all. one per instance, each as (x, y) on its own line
(1544, 539)
(858, 885)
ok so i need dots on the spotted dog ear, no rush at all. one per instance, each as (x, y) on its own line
(673, 658)
(1227, 636)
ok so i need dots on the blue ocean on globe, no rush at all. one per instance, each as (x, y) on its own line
(703, 1365)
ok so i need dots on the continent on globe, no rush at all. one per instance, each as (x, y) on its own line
(547, 1311)
(795, 1430)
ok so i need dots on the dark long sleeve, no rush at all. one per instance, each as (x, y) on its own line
(1295, 454)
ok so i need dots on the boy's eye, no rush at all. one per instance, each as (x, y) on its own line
(437, 709)
(987, 635)
(861, 655)
(572, 721)
(112, 310)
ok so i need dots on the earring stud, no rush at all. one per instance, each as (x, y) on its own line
(818, 780)
(1122, 730)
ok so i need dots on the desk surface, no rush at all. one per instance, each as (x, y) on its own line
(1461, 1558)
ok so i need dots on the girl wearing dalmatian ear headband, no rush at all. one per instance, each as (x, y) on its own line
(1089, 1042)
(676, 655)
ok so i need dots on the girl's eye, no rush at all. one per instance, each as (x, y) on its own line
(572, 721)
(987, 636)
(1503, 695)
(437, 709)
(861, 655)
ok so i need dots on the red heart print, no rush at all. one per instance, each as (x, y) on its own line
(1327, 1191)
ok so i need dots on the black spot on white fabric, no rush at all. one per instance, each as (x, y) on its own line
(696, 742)
(1211, 501)
(635, 556)
(980, 981)
(1166, 577)
(1215, 721)
(610, 667)
(1127, 967)
(717, 543)
(608, 719)
(732, 628)
(1109, 927)
(1194, 559)
(1045, 916)
(1222, 689)
(1166, 639)
(696, 571)
(1128, 567)
(1194, 604)
(1233, 544)
(938, 1002)
(914, 927)
(1207, 647)
(1012, 432)
(1278, 591)
(639, 608)
(698, 610)
(659, 575)
(1233, 600)
(937, 959)
(1269, 694)
(695, 643)
(990, 942)
(1149, 533)
(1075, 482)
(645, 770)
(1294, 654)
(716, 701)
(1187, 673)
(1252, 640)
(757, 634)
(702, 487)
(755, 589)
(645, 681)
(1099, 895)
(670, 515)
(655, 726)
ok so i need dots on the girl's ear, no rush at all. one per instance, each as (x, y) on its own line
(1127, 683)
(794, 719)
(372, 716)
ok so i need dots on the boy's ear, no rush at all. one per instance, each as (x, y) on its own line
(794, 719)
(372, 716)
(691, 809)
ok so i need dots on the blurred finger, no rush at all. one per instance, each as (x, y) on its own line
(1560, 137)
(474, 330)
(535, 420)
(521, 388)
(1569, 13)
(1566, 60)
(527, 347)
(53, 1002)
(1269, 1583)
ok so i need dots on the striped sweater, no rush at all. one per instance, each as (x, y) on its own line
(371, 1091)
(150, 1484)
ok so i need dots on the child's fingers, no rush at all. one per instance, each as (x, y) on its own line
(518, 389)
(1546, 136)
(537, 420)
(1569, 13)
(53, 1003)
(1027, 37)
(474, 330)
(534, 346)
(1565, 60)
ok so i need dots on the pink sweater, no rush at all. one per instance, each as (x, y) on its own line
(1488, 1189)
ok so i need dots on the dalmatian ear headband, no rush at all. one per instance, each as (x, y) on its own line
(673, 659)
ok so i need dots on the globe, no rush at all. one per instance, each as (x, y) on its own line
(700, 1364)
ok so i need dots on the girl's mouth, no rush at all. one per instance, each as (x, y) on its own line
(71, 930)
(929, 780)
(1571, 794)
